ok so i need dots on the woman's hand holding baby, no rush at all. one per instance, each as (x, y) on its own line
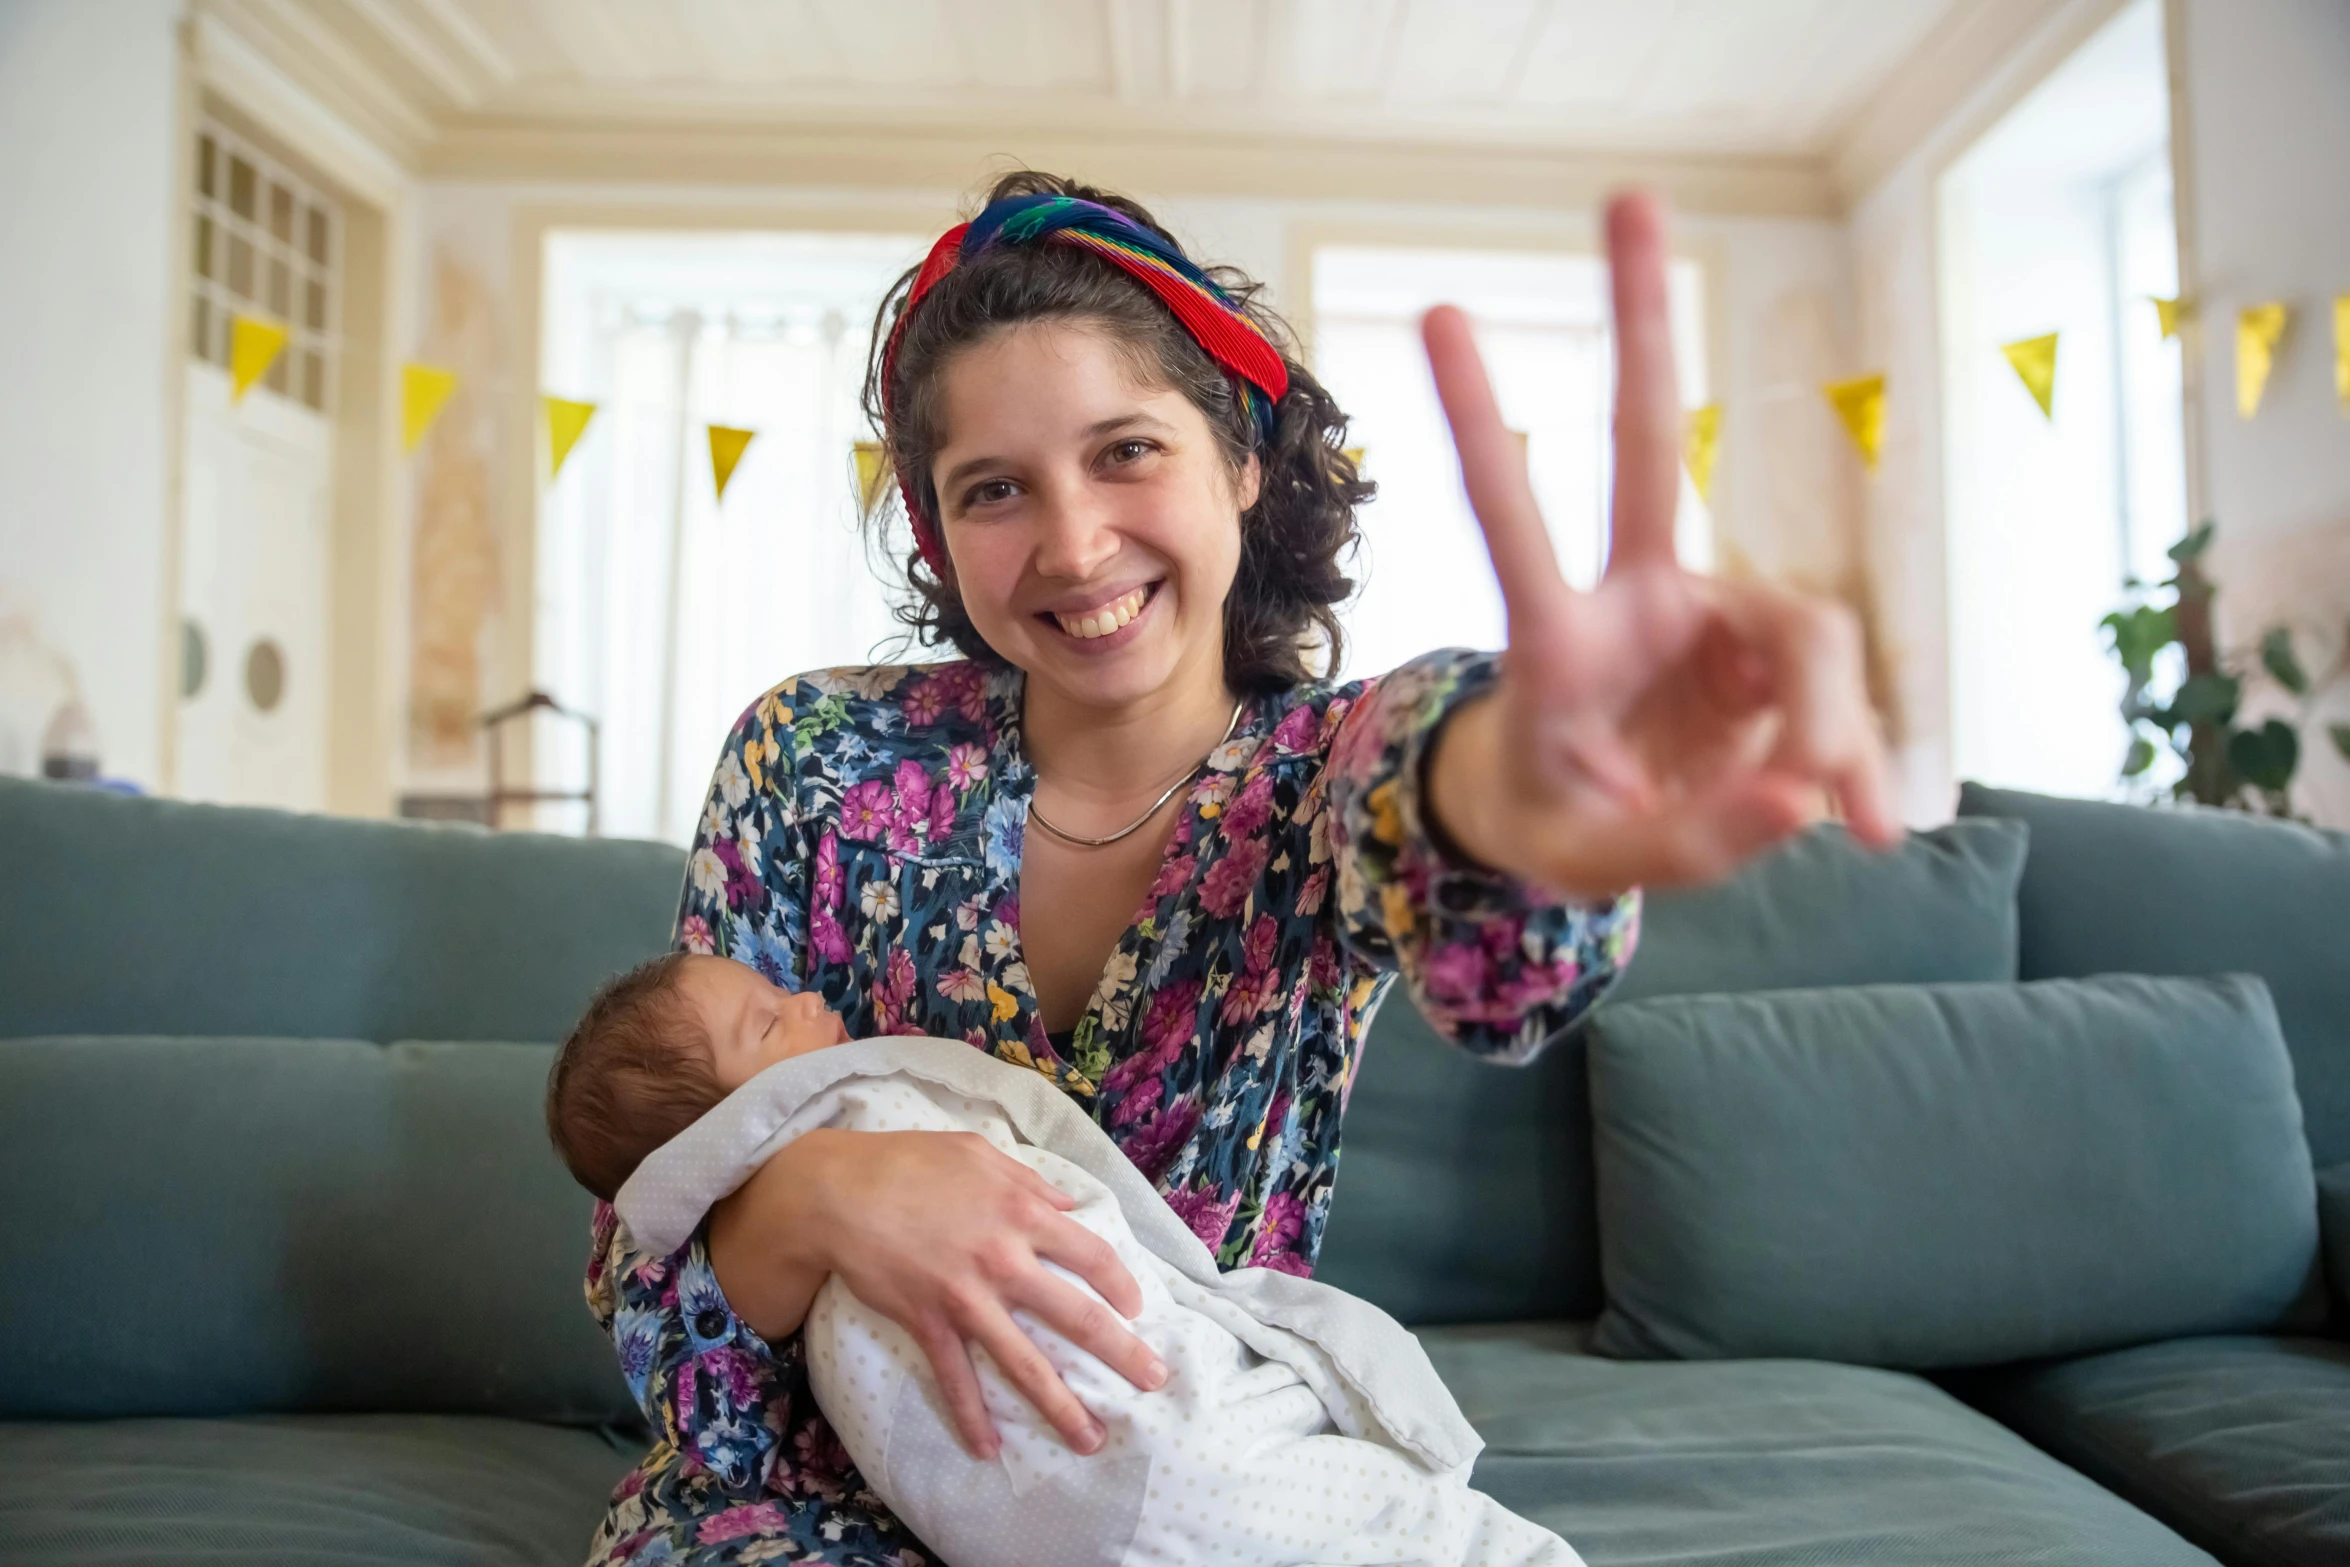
(946, 1236)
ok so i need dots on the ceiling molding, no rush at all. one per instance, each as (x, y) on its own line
(365, 158)
(1974, 66)
(324, 66)
(1284, 167)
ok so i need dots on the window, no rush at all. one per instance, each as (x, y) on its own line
(265, 247)
(2059, 220)
(661, 611)
(1543, 326)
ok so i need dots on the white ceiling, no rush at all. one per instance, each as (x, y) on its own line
(1732, 77)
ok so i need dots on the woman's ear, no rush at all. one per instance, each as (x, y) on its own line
(1248, 484)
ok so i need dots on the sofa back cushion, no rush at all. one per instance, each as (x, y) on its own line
(2124, 889)
(130, 916)
(1465, 1189)
(227, 1226)
(1948, 1175)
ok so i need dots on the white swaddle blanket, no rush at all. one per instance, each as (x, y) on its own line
(1297, 1424)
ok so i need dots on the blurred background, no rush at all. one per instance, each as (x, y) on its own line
(448, 407)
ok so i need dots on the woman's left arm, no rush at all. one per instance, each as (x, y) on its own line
(1663, 727)
(1496, 963)
(1491, 816)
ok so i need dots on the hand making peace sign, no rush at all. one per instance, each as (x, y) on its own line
(1665, 726)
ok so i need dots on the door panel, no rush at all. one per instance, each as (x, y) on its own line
(254, 582)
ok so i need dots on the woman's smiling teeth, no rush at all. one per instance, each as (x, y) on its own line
(1110, 617)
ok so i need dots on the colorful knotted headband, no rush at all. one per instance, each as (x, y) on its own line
(1207, 313)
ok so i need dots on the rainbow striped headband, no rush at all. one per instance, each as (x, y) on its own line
(1207, 313)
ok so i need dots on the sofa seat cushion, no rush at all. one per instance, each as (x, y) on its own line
(2241, 1444)
(323, 1489)
(1770, 1463)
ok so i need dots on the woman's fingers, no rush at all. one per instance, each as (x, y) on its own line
(1701, 839)
(1082, 1252)
(958, 1384)
(1818, 667)
(1493, 467)
(1087, 1322)
(987, 1324)
(1648, 396)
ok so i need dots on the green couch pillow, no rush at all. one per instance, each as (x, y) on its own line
(1466, 1189)
(134, 916)
(2121, 889)
(1947, 1175)
(253, 1226)
(1822, 910)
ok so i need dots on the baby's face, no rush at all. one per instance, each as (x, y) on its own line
(753, 1024)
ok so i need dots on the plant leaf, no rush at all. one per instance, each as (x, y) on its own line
(2276, 655)
(2137, 636)
(2207, 699)
(2265, 757)
(2140, 758)
(2193, 544)
(2341, 734)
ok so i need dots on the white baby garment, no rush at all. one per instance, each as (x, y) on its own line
(1297, 1425)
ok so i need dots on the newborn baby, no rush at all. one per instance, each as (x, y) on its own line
(1297, 1424)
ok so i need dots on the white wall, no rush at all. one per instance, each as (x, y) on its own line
(1779, 311)
(89, 123)
(2267, 137)
(2266, 141)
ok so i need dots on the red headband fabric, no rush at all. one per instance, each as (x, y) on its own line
(1227, 336)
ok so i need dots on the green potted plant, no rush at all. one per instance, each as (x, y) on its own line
(2224, 763)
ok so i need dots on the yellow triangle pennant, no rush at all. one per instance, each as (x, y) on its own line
(872, 475)
(2034, 359)
(423, 389)
(2259, 328)
(2169, 312)
(1860, 405)
(1356, 455)
(567, 421)
(253, 346)
(726, 449)
(1701, 435)
(2342, 350)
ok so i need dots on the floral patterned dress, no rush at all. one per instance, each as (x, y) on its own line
(863, 838)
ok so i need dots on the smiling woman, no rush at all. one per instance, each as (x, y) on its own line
(1159, 407)
(1129, 510)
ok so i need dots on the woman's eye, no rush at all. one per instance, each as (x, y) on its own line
(989, 491)
(1130, 451)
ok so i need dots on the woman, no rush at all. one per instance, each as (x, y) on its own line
(1129, 841)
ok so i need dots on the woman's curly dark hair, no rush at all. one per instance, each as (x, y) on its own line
(1285, 594)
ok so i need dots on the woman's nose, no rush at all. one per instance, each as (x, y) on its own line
(1075, 536)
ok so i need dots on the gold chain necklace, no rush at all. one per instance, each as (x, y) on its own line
(1036, 815)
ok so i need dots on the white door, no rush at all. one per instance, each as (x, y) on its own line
(253, 591)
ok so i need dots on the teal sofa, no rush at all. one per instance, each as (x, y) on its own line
(292, 1276)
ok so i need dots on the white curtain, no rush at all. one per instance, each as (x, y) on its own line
(664, 611)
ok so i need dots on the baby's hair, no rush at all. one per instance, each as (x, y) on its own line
(634, 1073)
